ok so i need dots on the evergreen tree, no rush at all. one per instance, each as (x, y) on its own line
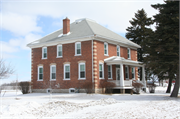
(139, 33)
(164, 45)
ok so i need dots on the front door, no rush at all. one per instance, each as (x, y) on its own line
(117, 73)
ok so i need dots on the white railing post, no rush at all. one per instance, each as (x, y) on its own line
(122, 75)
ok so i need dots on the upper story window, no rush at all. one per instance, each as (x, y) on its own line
(40, 73)
(59, 51)
(53, 72)
(129, 53)
(133, 73)
(78, 48)
(44, 53)
(118, 51)
(109, 71)
(66, 71)
(105, 48)
(127, 72)
(82, 71)
(101, 71)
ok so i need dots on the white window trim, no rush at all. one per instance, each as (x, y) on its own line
(79, 71)
(57, 51)
(107, 49)
(102, 71)
(69, 72)
(51, 72)
(119, 50)
(76, 49)
(111, 71)
(38, 73)
(43, 52)
(134, 72)
(127, 71)
(129, 53)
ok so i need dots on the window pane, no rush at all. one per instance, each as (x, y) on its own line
(82, 74)
(40, 76)
(109, 74)
(40, 70)
(53, 75)
(100, 74)
(67, 69)
(45, 55)
(105, 46)
(60, 48)
(78, 46)
(105, 51)
(132, 70)
(53, 69)
(126, 75)
(45, 50)
(82, 67)
(100, 67)
(109, 68)
(59, 53)
(132, 75)
(78, 51)
(67, 75)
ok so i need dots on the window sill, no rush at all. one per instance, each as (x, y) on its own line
(77, 55)
(53, 80)
(101, 78)
(39, 80)
(129, 58)
(110, 78)
(66, 79)
(82, 79)
(106, 55)
(44, 58)
(59, 57)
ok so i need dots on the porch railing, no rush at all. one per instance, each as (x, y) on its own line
(127, 83)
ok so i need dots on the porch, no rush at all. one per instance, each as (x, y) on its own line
(122, 82)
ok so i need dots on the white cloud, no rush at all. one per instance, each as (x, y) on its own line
(19, 24)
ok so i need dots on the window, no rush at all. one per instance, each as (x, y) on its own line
(127, 72)
(59, 51)
(109, 71)
(118, 51)
(44, 53)
(78, 48)
(101, 71)
(53, 72)
(40, 73)
(129, 53)
(82, 70)
(66, 71)
(133, 73)
(105, 49)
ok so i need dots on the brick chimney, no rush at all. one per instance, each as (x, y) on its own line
(66, 25)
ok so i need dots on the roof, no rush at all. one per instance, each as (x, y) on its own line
(84, 28)
(122, 60)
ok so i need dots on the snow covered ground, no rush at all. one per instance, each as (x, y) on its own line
(43, 106)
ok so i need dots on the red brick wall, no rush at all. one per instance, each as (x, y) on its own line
(68, 56)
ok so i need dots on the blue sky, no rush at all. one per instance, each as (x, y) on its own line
(24, 21)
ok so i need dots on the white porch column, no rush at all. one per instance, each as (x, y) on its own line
(143, 76)
(121, 75)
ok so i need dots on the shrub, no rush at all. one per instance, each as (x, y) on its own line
(25, 87)
(137, 86)
(88, 86)
(107, 87)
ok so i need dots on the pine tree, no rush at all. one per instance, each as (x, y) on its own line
(139, 33)
(164, 55)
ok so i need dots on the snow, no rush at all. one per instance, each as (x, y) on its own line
(80, 105)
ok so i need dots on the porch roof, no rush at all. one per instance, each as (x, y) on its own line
(122, 60)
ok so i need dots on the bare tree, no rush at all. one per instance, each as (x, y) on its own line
(5, 70)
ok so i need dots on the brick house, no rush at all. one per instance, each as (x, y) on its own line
(79, 52)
